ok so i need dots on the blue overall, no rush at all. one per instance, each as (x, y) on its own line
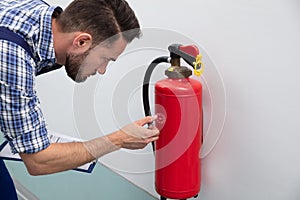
(7, 188)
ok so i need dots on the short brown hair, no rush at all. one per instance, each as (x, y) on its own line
(100, 18)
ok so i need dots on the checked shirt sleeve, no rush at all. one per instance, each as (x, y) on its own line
(21, 118)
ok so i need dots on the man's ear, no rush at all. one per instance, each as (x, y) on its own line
(82, 42)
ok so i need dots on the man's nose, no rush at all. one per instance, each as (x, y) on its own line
(102, 68)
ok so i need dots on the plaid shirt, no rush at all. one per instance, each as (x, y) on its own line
(21, 118)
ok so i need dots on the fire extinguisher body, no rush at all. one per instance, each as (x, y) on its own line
(178, 104)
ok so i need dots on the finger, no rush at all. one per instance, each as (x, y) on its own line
(151, 132)
(147, 133)
(154, 130)
(146, 120)
(152, 139)
(152, 127)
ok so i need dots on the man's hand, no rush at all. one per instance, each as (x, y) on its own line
(132, 136)
(135, 136)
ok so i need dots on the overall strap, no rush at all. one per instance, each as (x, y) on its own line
(11, 36)
(6, 34)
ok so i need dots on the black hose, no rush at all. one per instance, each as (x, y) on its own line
(145, 91)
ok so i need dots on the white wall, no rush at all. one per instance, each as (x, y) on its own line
(251, 49)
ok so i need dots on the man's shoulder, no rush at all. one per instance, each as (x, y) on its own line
(22, 16)
(31, 19)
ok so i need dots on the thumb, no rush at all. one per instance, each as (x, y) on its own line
(146, 120)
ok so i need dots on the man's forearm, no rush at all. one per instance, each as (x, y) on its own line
(65, 156)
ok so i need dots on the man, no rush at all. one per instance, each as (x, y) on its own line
(84, 38)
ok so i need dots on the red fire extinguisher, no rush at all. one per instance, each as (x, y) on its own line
(178, 105)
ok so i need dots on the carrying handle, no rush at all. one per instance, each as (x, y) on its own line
(189, 54)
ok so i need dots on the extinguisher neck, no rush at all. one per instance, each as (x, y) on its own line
(175, 59)
(178, 72)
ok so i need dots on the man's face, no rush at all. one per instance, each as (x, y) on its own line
(80, 67)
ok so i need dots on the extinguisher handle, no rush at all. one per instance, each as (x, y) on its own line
(187, 53)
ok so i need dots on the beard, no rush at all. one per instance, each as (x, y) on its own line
(74, 66)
